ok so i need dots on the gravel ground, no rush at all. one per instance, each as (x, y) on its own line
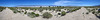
(7, 14)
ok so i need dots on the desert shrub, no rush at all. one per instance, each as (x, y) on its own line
(2, 8)
(82, 13)
(32, 15)
(50, 9)
(22, 11)
(53, 9)
(25, 12)
(40, 10)
(47, 15)
(19, 11)
(74, 9)
(35, 9)
(58, 10)
(12, 8)
(59, 13)
(63, 13)
(87, 13)
(64, 9)
(93, 12)
(36, 15)
(31, 9)
(98, 11)
(14, 11)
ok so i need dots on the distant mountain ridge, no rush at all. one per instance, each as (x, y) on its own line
(34, 5)
(97, 5)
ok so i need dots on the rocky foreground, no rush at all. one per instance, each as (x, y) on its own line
(80, 14)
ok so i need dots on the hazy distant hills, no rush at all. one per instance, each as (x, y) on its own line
(50, 6)
(1, 6)
(98, 5)
(44, 6)
(34, 5)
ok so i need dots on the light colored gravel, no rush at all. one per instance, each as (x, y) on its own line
(7, 14)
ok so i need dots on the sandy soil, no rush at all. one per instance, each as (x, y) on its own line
(7, 14)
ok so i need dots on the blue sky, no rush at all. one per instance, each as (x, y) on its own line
(12, 3)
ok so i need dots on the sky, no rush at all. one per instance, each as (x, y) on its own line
(12, 3)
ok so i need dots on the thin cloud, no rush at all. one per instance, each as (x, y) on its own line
(61, 2)
(64, 2)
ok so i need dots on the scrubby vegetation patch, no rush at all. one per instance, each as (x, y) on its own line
(2, 8)
(47, 15)
(32, 15)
